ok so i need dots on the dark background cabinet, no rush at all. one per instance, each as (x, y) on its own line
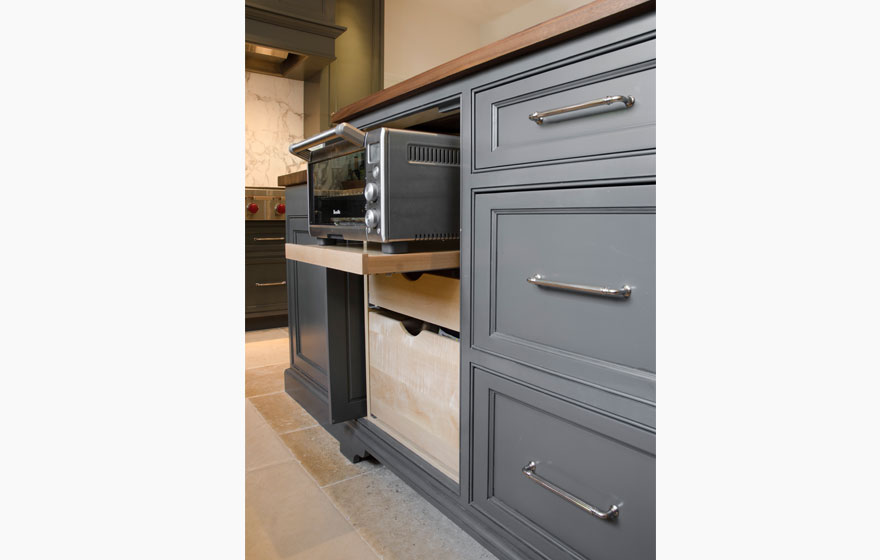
(265, 275)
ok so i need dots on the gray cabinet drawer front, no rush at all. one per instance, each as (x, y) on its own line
(505, 136)
(601, 237)
(597, 459)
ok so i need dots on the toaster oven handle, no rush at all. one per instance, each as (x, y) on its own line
(343, 130)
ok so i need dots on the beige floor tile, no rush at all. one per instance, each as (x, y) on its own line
(398, 523)
(264, 380)
(287, 516)
(283, 413)
(347, 547)
(318, 452)
(266, 352)
(262, 446)
(264, 334)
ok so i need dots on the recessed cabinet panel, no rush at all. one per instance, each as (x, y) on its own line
(564, 280)
(606, 464)
(308, 296)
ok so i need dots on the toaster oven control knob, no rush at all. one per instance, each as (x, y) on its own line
(253, 208)
(376, 172)
(371, 218)
(371, 192)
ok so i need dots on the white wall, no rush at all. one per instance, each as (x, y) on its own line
(523, 17)
(422, 34)
(273, 115)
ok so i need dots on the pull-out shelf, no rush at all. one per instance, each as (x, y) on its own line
(358, 260)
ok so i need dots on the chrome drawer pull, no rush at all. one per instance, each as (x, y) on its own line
(624, 292)
(529, 471)
(265, 284)
(627, 101)
(268, 239)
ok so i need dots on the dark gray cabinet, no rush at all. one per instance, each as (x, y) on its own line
(505, 135)
(558, 224)
(265, 275)
(307, 291)
(304, 28)
(550, 374)
(600, 461)
(536, 253)
(328, 372)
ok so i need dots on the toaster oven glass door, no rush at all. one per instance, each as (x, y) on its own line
(338, 189)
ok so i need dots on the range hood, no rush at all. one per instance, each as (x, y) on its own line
(283, 43)
(269, 60)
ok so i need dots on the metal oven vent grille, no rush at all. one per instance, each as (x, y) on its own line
(426, 236)
(433, 155)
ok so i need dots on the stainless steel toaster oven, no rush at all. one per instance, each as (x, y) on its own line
(386, 185)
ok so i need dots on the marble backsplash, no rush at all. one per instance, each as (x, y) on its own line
(273, 120)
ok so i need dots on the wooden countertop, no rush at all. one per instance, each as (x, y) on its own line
(295, 178)
(600, 13)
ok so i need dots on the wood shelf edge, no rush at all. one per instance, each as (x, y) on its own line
(357, 260)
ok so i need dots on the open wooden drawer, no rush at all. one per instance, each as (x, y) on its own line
(413, 389)
(413, 364)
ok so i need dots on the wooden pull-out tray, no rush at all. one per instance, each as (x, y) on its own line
(358, 260)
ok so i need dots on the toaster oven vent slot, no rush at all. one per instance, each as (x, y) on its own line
(435, 236)
(433, 155)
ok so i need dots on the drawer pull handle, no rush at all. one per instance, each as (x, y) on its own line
(268, 239)
(267, 284)
(529, 471)
(623, 292)
(627, 101)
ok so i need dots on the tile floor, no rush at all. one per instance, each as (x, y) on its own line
(304, 500)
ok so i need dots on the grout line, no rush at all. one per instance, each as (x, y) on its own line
(248, 368)
(334, 483)
(249, 471)
(264, 394)
(285, 363)
(297, 429)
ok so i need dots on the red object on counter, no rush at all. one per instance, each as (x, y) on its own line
(253, 208)
(280, 208)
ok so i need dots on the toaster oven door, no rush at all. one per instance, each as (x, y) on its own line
(336, 193)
